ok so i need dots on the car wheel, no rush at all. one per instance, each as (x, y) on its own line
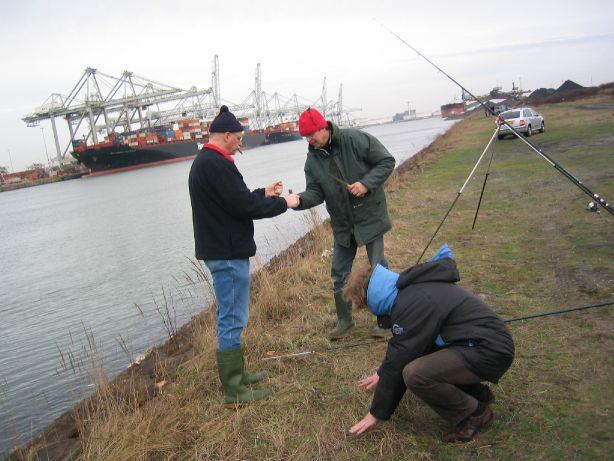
(501, 136)
(543, 128)
(529, 132)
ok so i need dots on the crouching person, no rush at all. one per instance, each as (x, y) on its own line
(446, 341)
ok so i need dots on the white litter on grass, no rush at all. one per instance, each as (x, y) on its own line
(139, 359)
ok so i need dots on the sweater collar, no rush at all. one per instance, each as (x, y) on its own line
(331, 132)
(219, 150)
(382, 291)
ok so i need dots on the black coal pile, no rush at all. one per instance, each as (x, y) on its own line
(568, 85)
(542, 93)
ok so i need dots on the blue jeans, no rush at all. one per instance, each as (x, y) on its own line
(343, 259)
(231, 284)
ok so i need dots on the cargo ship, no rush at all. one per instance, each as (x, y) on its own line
(181, 140)
(284, 132)
(273, 134)
(453, 110)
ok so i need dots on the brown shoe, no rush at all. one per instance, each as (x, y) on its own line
(479, 391)
(469, 427)
(485, 395)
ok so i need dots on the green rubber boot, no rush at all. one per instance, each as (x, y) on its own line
(230, 366)
(345, 323)
(252, 378)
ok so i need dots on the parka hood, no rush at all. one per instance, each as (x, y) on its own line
(443, 270)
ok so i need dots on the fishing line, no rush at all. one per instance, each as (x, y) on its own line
(375, 341)
(599, 200)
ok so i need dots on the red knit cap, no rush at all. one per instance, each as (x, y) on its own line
(311, 120)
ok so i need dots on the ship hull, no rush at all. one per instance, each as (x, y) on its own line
(253, 140)
(121, 156)
(282, 136)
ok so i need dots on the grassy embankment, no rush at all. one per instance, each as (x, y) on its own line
(535, 248)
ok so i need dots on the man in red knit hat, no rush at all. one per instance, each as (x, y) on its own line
(346, 168)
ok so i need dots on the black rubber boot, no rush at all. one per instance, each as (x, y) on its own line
(345, 323)
(230, 367)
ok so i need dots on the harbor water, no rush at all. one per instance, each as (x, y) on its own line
(93, 263)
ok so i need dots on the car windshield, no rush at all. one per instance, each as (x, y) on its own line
(512, 114)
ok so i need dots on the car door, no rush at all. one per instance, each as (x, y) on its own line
(530, 120)
(526, 116)
(538, 119)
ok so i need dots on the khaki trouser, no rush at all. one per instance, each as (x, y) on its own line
(343, 259)
(434, 378)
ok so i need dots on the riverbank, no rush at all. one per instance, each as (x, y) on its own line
(535, 248)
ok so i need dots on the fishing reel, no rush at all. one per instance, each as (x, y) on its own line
(592, 207)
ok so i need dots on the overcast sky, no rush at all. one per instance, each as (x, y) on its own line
(45, 47)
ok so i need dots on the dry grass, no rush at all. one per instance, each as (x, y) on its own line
(535, 248)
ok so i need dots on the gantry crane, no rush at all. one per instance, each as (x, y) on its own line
(107, 104)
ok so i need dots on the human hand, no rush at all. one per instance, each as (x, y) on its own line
(370, 382)
(292, 200)
(274, 189)
(357, 189)
(364, 425)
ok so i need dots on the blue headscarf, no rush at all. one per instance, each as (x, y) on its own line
(382, 290)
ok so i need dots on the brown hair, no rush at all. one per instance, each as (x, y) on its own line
(355, 287)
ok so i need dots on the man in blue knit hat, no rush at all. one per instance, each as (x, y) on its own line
(223, 210)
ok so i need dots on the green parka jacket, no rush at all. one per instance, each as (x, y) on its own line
(351, 155)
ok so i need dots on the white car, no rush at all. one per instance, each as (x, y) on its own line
(523, 119)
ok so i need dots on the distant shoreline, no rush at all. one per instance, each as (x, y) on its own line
(39, 182)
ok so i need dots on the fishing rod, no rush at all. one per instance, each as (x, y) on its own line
(562, 311)
(599, 200)
(458, 194)
(340, 181)
(366, 343)
(306, 353)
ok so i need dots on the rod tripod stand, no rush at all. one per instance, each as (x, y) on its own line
(494, 136)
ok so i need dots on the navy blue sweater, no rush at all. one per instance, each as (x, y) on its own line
(223, 208)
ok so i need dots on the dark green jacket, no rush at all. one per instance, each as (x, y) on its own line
(352, 155)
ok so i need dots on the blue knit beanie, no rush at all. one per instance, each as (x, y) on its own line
(225, 122)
